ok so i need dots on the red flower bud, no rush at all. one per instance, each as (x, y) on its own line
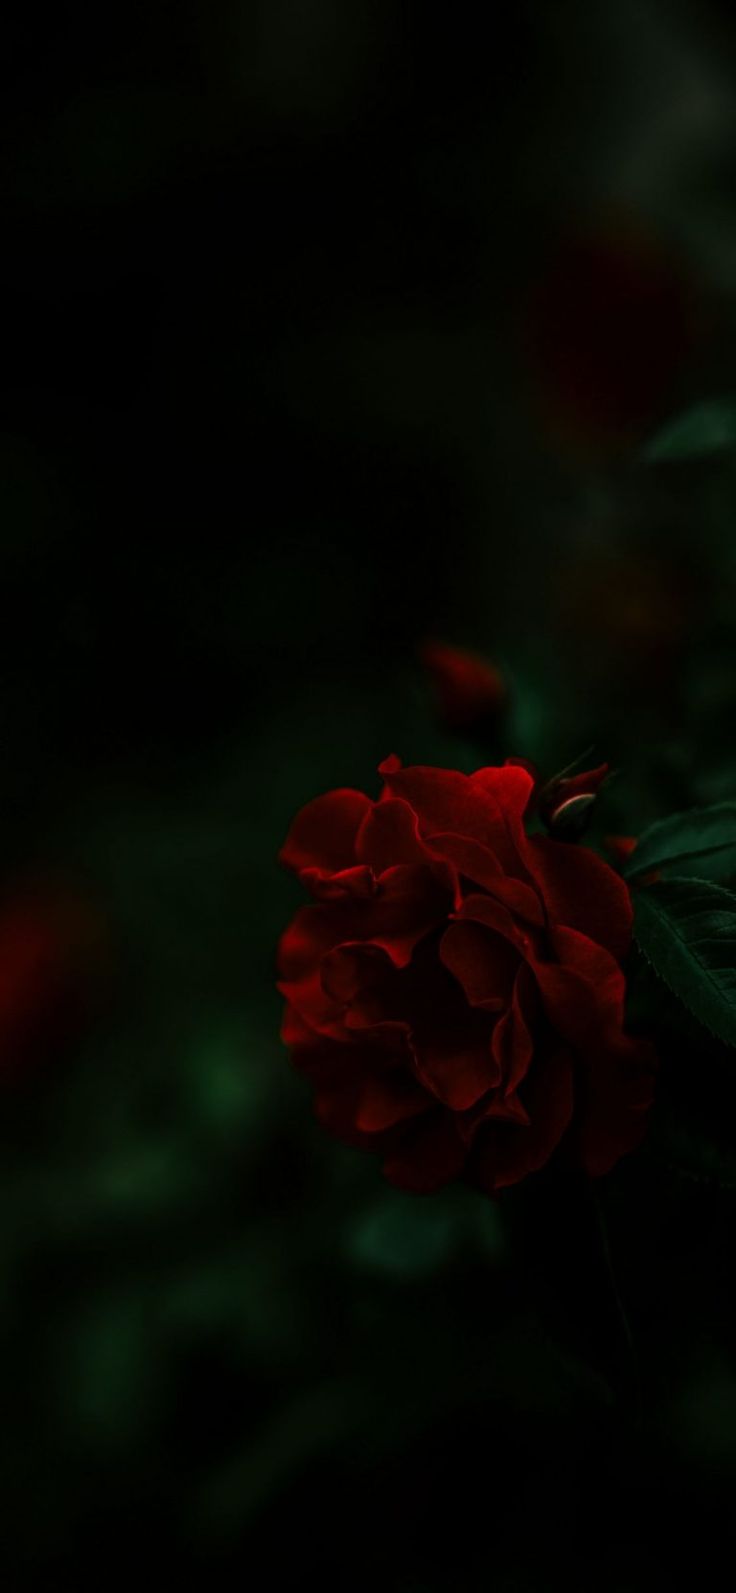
(469, 692)
(566, 803)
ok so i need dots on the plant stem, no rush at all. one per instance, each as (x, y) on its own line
(631, 1374)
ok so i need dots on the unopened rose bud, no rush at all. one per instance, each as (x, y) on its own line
(469, 692)
(566, 803)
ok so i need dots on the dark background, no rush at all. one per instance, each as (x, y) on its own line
(326, 329)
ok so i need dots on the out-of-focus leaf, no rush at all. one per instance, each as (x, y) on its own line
(707, 428)
(704, 837)
(296, 1435)
(687, 929)
(226, 1086)
(108, 1370)
(403, 1236)
(407, 1236)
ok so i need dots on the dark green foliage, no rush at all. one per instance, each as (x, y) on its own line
(687, 929)
(290, 384)
(700, 842)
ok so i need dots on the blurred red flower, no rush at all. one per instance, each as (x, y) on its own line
(469, 691)
(50, 954)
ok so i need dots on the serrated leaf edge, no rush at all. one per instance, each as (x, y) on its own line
(634, 867)
(709, 885)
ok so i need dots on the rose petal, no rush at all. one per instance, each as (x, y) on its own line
(313, 931)
(513, 1046)
(360, 979)
(476, 863)
(583, 993)
(509, 791)
(483, 962)
(359, 881)
(308, 998)
(504, 1153)
(387, 1099)
(582, 892)
(323, 833)
(430, 1152)
(294, 1030)
(486, 910)
(447, 802)
(389, 834)
(410, 901)
(390, 764)
(509, 1108)
(615, 1088)
(470, 858)
(361, 1090)
(457, 1074)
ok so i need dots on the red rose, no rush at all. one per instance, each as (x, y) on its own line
(456, 995)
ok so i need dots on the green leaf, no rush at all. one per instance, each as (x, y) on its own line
(403, 1236)
(408, 1236)
(687, 930)
(705, 837)
(707, 428)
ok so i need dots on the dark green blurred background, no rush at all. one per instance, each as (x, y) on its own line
(328, 328)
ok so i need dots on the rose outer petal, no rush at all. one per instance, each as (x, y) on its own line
(583, 893)
(429, 1152)
(505, 1153)
(483, 963)
(583, 993)
(323, 833)
(495, 915)
(313, 931)
(384, 1100)
(614, 1092)
(389, 834)
(360, 1090)
(458, 1074)
(509, 790)
(486, 807)
(347, 882)
(474, 861)
(513, 1046)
